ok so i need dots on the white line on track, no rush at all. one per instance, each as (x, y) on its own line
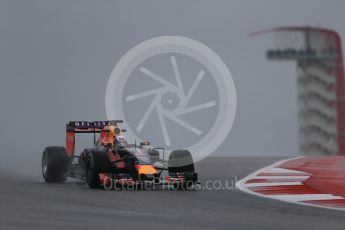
(282, 170)
(306, 197)
(282, 177)
(251, 185)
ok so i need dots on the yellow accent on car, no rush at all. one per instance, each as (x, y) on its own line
(147, 169)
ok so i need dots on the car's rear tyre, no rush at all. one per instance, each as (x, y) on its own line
(55, 163)
(97, 162)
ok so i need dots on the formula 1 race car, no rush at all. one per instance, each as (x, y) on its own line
(112, 161)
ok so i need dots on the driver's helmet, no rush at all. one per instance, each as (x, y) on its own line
(120, 141)
(108, 134)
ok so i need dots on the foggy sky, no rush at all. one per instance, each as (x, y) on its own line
(56, 58)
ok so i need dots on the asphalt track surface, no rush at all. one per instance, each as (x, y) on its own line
(26, 202)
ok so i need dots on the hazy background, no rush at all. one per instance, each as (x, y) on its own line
(56, 58)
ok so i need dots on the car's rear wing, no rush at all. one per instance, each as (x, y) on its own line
(89, 126)
(94, 127)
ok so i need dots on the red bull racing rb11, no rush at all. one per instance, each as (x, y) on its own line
(113, 162)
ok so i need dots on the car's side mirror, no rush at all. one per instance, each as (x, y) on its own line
(154, 156)
(107, 144)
